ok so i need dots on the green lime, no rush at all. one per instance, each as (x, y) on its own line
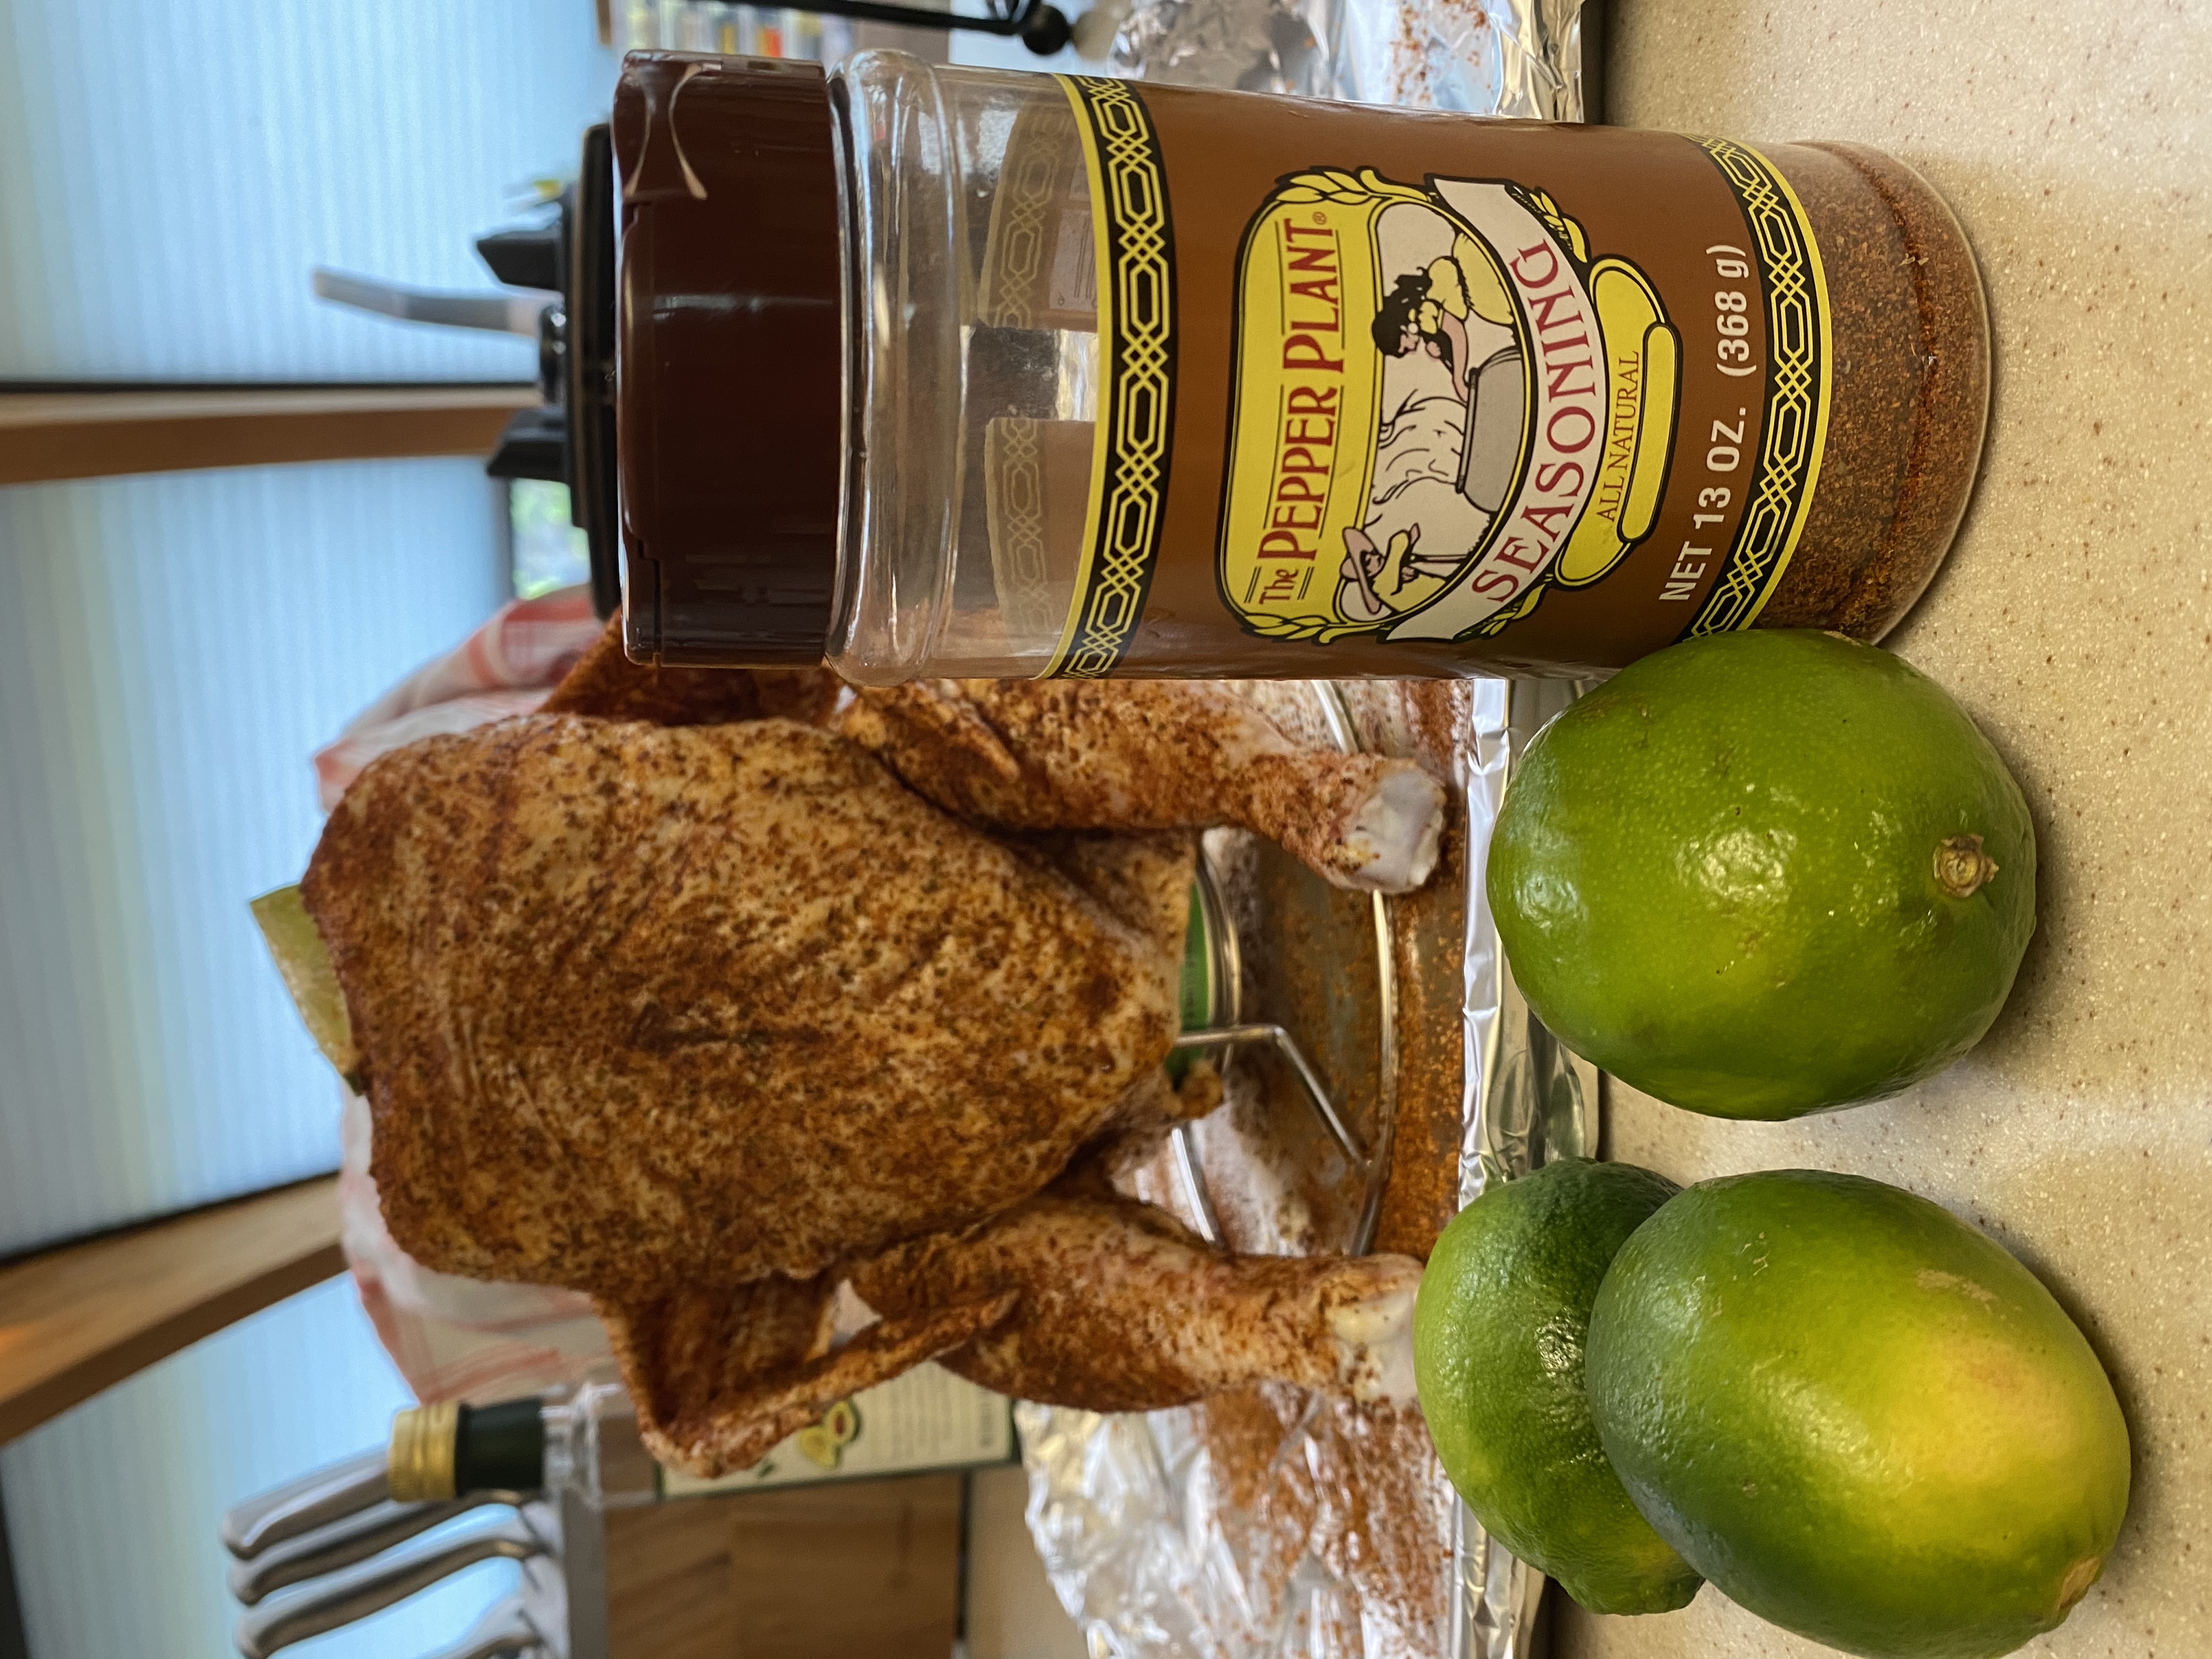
(1857, 1416)
(1497, 1355)
(1763, 873)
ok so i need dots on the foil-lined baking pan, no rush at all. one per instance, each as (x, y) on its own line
(1280, 1524)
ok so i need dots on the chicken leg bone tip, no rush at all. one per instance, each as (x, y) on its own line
(1375, 1338)
(1395, 832)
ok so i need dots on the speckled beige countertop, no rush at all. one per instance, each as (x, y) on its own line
(2075, 620)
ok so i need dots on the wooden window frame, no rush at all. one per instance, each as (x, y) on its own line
(81, 1317)
(50, 434)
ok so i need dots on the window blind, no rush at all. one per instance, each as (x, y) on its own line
(173, 650)
(170, 170)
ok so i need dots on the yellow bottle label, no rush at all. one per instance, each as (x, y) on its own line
(1499, 395)
(1441, 405)
(1132, 259)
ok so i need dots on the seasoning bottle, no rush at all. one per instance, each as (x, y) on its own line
(952, 372)
(586, 1442)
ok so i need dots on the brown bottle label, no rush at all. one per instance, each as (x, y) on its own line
(1382, 391)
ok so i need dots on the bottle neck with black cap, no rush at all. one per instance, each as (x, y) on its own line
(511, 1450)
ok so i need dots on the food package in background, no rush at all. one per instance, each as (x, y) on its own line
(925, 1418)
(1517, 57)
(453, 1338)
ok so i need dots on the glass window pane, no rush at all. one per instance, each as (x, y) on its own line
(549, 552)
(170, 170)
(173, 651)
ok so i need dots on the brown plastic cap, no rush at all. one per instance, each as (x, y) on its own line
(729, 359)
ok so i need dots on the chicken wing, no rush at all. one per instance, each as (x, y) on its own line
(605, 685)
(720, 1374)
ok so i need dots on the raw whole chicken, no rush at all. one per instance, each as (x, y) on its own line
(670, 994)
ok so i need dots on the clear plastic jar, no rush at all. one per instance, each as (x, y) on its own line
(971, 315)
(830, 287)
(955, 372)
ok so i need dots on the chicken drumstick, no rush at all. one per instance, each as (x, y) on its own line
(1151, 755)
(1079, 1298)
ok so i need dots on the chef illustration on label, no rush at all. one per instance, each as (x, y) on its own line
(1442, 406)
(1429, 328)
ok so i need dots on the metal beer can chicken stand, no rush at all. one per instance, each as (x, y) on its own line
(1383, 1069)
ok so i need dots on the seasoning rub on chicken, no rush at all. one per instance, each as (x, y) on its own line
(709, 1013)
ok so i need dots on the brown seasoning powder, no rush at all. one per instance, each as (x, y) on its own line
(1911, 391)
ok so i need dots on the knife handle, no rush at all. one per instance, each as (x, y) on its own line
(337, 1544)
(504, 1632)
(375, 1585)
(301, 1505)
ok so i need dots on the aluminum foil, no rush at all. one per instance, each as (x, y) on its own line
(1520, 57)
(1528, 1099)
(1146, 1541)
